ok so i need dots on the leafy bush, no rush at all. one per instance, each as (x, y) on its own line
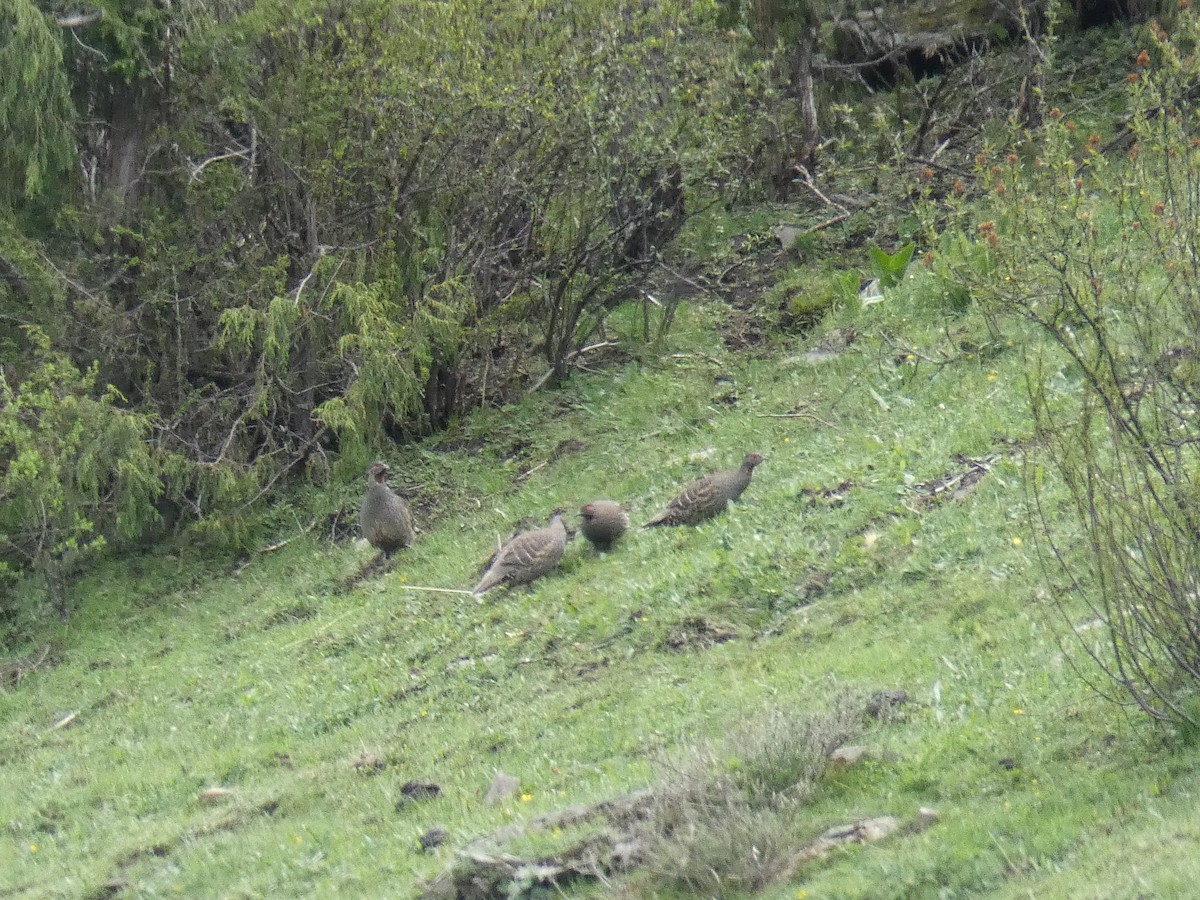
(353, 208)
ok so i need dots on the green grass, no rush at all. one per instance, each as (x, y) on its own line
(185, 673)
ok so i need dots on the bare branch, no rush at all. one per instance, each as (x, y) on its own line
(80, 20)
(197, 169)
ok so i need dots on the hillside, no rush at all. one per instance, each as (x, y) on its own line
(944, 279)
(248, 729)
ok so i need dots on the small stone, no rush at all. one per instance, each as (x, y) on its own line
(845, 757)
(214, 795)
(503, 786)
(786, 235)
(434, 837)
(416, 791)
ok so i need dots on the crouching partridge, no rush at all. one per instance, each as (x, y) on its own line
(602, 522)
(708, 496)
(384, 517)
(527, 556)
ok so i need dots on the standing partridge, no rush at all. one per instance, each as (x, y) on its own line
(384, 517)
(603, 521)
(708, 496)
(526, 557)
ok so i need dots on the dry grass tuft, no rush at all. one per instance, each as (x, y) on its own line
(727, 818)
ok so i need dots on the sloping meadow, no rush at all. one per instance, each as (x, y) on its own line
(276, 726)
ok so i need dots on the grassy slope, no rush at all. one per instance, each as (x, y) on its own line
(271, 684)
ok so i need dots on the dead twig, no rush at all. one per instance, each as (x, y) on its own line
(843, 213)
(795, 415)
(568, 360)
(16, 671)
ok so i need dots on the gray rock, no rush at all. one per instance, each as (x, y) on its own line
(503, 786)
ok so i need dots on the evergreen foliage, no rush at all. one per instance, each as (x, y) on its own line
(36, 115)
(77, 467)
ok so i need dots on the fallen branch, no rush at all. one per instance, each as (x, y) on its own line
(794, 415)
(434, 590)
(530, 471)
(485, 873)
(324, 627)
(570, 358)
(864, 831)
(843, 213)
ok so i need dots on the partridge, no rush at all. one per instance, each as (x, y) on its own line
(384, 517)
(603, 521)
(527, 556)
(708, 496)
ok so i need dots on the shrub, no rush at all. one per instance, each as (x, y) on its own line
(77, 467)
(1100, 253)
(727, 819)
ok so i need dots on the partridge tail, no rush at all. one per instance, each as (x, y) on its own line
(489, 581)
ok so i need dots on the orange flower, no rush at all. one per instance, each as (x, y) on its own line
(1143, 59)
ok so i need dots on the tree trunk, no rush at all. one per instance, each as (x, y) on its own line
(802, 83)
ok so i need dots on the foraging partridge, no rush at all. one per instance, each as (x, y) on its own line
(707, 497)
(603, 521)
(527, 557)
(384, 517)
